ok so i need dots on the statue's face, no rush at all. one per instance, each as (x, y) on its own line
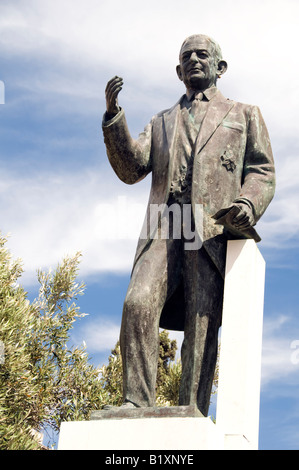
(198, 67)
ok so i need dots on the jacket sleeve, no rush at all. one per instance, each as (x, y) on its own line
(258, 174)
(130, 158)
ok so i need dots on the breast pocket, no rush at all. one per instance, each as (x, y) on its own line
(236, 126)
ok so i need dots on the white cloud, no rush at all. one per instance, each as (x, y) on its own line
(99, 335)
(75, 47)
(280, 224)
(141, 42)
(51, 216)
(279, 358)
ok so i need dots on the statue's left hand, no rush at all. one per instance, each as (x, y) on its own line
(245, 218)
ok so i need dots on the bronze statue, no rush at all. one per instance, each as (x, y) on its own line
(205, 151)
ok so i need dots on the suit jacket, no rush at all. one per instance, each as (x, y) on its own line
(232, 161)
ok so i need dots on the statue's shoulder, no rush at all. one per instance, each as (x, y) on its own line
(162, 113)
(168, 111)
(248, 111)
(242, 106)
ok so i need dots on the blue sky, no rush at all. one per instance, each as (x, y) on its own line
(58, 193)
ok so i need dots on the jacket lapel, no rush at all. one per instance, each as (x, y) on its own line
(218, 109)
(170, 125)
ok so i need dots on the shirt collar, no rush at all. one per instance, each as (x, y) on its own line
(209, 93)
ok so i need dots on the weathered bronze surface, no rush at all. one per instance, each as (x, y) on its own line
(206, 151)
(149, 412)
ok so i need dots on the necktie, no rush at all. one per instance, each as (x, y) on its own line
(196, 104)
(197, 111)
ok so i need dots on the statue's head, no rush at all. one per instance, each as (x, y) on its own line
(201, 62)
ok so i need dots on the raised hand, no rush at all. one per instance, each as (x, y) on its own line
(112, 90)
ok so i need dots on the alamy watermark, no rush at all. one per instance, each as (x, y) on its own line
(123, 220)
(175, 222)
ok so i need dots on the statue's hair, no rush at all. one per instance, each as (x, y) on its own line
(217, 50)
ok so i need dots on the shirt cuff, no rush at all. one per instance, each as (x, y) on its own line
(243, 200)
(110, 121)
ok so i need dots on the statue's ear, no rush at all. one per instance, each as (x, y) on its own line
(222, 67)
(179, 72)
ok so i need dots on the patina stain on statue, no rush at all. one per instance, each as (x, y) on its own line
(209, 152)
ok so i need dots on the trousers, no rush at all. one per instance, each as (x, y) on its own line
(156, 275)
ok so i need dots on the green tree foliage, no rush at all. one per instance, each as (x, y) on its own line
(169, 372)
(42, 380)
(18, 389)
(69, 384)
(111, 378)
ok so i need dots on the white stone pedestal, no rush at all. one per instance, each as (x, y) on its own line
(238, 399)
(237, 418)
(141, 434)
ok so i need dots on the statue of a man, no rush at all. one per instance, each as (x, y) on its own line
(205, 151)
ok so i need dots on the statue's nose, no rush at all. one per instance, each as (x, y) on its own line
(194, 57)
